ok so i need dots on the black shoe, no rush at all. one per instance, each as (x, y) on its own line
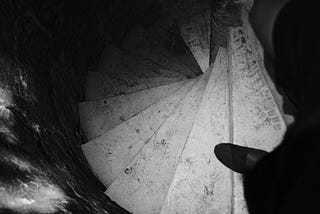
(238, 158)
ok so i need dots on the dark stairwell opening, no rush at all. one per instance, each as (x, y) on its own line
(47, 49)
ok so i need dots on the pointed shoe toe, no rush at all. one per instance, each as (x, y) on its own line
(238, 158)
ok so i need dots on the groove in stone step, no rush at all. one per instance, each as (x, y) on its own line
(196, 33)
(97, 117)
(100, 85)
(142, 186)
(138, 42)
(112, 151)
(257, 120)
(201, 183)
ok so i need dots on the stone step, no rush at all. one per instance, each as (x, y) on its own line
(97, 117)
(100, 85)
(142, 185)
(167, 35)
(139, 42)
(195, 31)
(110, 153)
(115, 61)
(258, 50)
(201, 184)
(257, 119)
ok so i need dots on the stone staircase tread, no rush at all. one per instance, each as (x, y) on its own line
(100, 85)
(162, 31)
(257, 119)
(153, 131)
(201, 184)
(139, 42)
(97, 117)
(258, 50)
(142, 185)
(196, 33)
(109, 153)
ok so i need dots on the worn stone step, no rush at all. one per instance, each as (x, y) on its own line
(139, 42)
(100, 85)
(257, 119)
(201, 184)
(142, 185)
(195, 31)
(259, 51)
(97, 117)
(110, 153)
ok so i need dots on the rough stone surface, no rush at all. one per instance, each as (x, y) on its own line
(46, 50)
(100, 85)
(97, 117)
(196, 33)
(258, 50)
(142, 186)
(110, 153)
(257, 120)
(139, 41)
(201, 184)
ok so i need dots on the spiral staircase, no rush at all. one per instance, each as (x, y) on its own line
(152, 121)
